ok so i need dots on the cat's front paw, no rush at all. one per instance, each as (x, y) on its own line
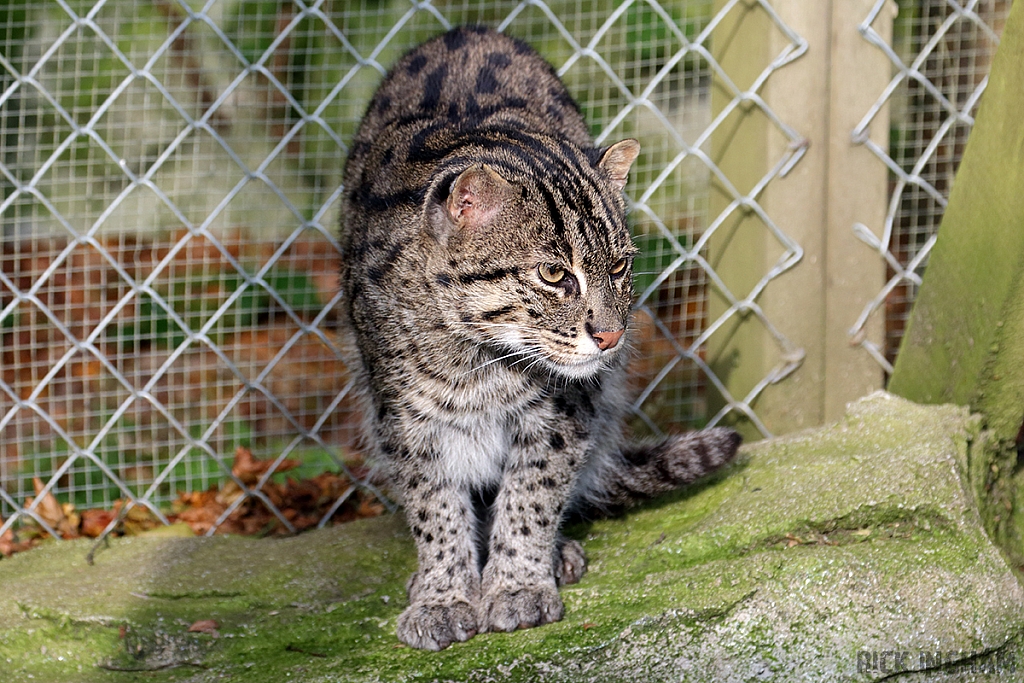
(508, 608)
(432, 626)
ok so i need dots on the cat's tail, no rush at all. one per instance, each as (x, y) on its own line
(643, 470)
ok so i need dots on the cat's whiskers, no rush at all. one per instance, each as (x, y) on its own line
(527, 355)
(536, 357)
(527, 368)
(481, 323)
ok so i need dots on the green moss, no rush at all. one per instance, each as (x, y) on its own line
(43, 651)
(785, 564)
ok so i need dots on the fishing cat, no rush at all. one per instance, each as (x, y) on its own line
(487, 272)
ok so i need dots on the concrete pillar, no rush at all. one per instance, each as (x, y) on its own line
(821, 95)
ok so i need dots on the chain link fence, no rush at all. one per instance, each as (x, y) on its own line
(170, 179)
(171, 172)
(941, 53)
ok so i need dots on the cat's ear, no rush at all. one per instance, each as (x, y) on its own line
(476, 198)
(617, 159)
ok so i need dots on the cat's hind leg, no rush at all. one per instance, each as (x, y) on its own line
(570, 561)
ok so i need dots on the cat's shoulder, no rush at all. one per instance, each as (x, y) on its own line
(473, 44)
(467, 72)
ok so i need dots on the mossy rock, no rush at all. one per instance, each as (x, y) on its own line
(848, 553)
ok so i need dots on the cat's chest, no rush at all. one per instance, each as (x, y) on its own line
(464, 395)
(474, 453)
(473, 424)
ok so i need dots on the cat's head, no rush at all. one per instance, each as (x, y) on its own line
(534, 256)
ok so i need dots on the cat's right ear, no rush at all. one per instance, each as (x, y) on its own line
(616, 160)
(475, 199)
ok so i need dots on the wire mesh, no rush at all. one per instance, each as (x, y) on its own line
(171, 173)
(941, 53)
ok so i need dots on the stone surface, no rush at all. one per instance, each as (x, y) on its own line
(853, 552)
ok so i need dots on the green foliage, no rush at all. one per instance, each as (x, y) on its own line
(296, 289)
(250, 24)
(907, 23)
(656, 254)
(653, 38)
(86, 486)
(13, 26)
(197, 301)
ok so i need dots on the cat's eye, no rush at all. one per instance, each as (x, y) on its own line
(552, 275)
(618, 269)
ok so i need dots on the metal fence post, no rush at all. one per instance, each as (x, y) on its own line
(814, 202)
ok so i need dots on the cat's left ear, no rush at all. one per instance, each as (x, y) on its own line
(617, 159)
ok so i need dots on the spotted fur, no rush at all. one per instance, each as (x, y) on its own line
(488, 281)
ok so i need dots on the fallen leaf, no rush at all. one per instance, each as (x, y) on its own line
(74, 519)
(249, 469)
(94, 521)
(51, 511)
(6, 541)
(369, 506)
(300, 504)
(10, 542)
(205, 626)
(229, 493)
(138, 520)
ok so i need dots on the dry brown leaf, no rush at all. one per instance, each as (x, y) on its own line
(249, 469)
(6, 541)
(303, 503)
(205, 626)
(139, 519)
(10, 543)
(74, 519)
(95, 521)
(369, 506)
(228, 494)
(200, 510)
(51, 511)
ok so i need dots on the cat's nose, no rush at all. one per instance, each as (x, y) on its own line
(605, 339)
